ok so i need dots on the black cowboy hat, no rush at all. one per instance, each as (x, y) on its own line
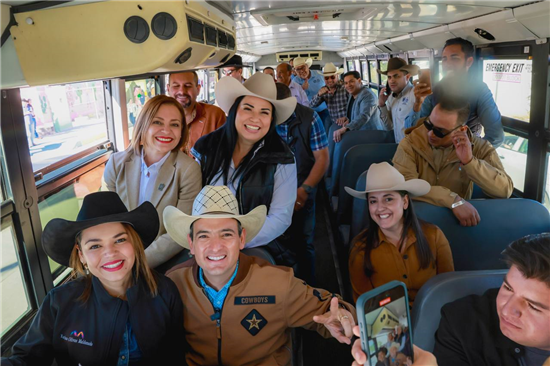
(58, 237)
(235, 61)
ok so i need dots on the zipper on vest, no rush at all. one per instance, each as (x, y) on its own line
(217, 316)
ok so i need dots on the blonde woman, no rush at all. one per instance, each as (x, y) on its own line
(154, 169)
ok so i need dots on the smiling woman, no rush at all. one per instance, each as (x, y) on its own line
(154, 169)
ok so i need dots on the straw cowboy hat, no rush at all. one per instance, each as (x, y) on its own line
(299, 61)
(330, 70)
(58, 237)
(397, 63)
(260, 85)
(384, 177)
(212, 202)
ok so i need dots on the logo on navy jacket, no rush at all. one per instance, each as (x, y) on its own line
(254, 322)
(77, 336)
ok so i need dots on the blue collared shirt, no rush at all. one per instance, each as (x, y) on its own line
(483, 110)
(299, 93)
(316, 81)
(217, 297)
(318, 137)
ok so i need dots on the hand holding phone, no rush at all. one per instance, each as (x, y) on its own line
(425, 78)
(388, 90)
(384, 322)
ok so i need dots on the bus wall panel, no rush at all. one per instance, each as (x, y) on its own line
(11, 73)
(87, 41)
(535, 17)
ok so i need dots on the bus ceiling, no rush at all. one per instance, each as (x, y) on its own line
(100, 40)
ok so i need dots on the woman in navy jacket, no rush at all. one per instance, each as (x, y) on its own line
(119, 312)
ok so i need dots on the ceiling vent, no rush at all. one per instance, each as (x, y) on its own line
(287, 56)
(317, 13)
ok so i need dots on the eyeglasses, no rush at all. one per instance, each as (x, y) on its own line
(300, 68)
(330, 77)
(228, 72)
(439, 132)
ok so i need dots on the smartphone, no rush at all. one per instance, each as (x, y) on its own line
(384, 320)
(425, 77)
(388, 90)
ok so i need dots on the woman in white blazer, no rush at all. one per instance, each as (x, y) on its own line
(153, 168)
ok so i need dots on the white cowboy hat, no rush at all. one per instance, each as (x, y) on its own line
(384, 177)
(260, 85)
(330, 70)
(212, 202)
(299, 61)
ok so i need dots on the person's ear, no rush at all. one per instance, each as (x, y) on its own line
(80, 255)
(405, 201)
(469, 62)
(191, 246)
(243, 239)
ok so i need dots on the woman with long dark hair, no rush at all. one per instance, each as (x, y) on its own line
(247, 155)
(396, 245)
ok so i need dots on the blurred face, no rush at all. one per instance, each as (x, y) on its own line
(253, 119)
(331, 81)
(454, 60)
(386, 209)
(352, 85)
(283, 75)
(381, 356)
(183, 88)
(216, 245)
(523, 307)
(302, 71)
(109, 253)
(270, 72)
(233, 72)
(393, 352)
(164, 132)
(397, 80)
(443, 121)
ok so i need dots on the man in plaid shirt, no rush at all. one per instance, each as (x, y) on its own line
(305, 134)
(333, 93)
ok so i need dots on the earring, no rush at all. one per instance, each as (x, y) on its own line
(86, 269)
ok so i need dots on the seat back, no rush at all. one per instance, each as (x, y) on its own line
(260, 253)
(502, 222)
(360, 211)
(443, 289)
(356, 160)
(333, 127)
(477, 247)
(349, 140)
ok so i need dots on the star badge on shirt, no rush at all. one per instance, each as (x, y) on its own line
(254, 322)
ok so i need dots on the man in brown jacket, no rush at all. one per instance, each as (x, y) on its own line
(201, 118)
(238, 310)
(443, 151)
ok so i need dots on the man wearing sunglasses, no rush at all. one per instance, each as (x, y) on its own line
(457, 58)
(333, 94)
(442, 150)
(284, 76)
(234, 68)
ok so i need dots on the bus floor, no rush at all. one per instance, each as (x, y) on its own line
(315, 349)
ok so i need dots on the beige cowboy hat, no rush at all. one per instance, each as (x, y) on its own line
(397, 63)
(212, 202)
(330, 70)
(299, 61)
(260, 85)
(384, 177)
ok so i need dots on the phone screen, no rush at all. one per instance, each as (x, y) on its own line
(388, 331)
(388, 90)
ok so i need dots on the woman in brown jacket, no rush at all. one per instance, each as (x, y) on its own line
(397, 246)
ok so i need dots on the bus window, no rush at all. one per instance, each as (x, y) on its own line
(63, 120)
(373, 73)
(247, 72)
(138, 92)
(383, 67)
(16, 304)
(5, 190)
(65, 203)
(212, 80)
(423, 64)
(513, 154)
(440, 70)
(357, 65)
(351, 66)
(510, 83)
(365, 71)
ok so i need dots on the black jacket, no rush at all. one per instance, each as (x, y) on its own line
(73, 333)
(469, 334)
(299, 132)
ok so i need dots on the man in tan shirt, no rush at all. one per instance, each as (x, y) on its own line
(444, 152)
(201, 118)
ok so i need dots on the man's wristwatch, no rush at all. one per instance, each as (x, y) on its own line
(307, 188)
(459, 203)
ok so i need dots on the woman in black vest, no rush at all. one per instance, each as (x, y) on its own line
(247, 155)
(118, 312)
